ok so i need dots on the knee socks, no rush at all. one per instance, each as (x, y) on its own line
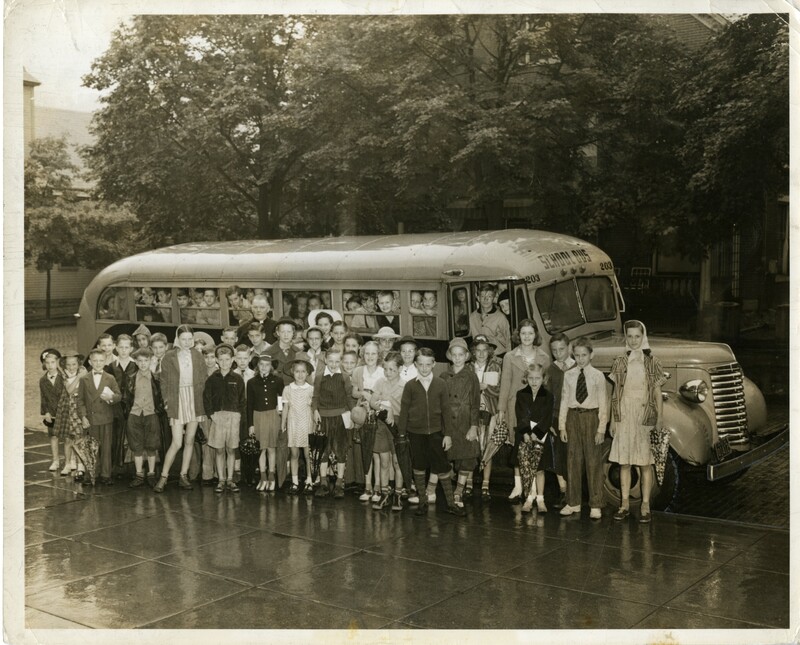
(419, 482)
(447, 487)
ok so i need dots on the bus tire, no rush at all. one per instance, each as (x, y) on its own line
(662, 497)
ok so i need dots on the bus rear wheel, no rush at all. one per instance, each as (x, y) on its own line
(663, 496)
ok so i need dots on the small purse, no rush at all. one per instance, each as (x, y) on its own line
(250, 446)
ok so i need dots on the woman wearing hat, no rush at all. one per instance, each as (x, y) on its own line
(487, 368)
(284, 350)
(297, 419)
(464, 393)
(263, 418)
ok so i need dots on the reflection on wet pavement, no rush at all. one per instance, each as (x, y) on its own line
(113, 557)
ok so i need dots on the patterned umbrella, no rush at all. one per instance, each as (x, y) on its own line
(529, 456)
(659, 446)
(316, 449)
(87, 448)
(497, 437)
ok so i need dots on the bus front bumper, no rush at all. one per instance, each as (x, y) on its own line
(778, 440)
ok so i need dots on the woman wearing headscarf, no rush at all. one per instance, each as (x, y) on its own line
(636, 407)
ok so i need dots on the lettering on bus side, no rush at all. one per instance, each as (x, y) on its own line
(561, 259)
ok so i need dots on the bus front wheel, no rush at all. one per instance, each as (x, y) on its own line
(663, 496)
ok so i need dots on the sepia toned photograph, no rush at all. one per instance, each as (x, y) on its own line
(346, 325)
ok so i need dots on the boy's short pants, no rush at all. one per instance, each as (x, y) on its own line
(465, 465)
(427, 452)
(224, 432)
(144, 433)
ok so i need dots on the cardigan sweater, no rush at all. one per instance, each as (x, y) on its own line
(424, 412)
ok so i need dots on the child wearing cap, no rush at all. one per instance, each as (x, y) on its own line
(224, 402)
(464, 392)
(487, 368)
(297, 418)
(329, 403)
(50, 386)
(143, 429)
(263, 417)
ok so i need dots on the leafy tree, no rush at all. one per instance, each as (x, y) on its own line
(62, 229)
(736, 147)
(202, 128)
(481, 108)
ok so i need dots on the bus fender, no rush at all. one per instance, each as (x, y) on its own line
(690, 430)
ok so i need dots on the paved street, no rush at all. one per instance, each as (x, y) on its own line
(108, 557)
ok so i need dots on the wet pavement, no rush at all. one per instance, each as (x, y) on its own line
(115, 557)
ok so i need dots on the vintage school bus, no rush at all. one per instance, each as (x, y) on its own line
(716, 416)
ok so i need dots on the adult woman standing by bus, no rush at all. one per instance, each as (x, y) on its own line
(636, 407)
(515, 366)
(183, 377)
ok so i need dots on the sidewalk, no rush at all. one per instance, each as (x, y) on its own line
(113, 557)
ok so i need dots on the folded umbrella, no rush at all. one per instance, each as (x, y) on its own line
(659, 446)
(281, 457)
(316, 449)
(529, 456)
(497, 437)
(367, 442)
(87, 448)
(402, 450)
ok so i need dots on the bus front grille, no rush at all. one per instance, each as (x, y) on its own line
(727, 386)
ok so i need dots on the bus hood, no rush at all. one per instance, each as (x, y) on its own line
(671, 352)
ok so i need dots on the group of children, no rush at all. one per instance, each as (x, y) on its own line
(312, 391)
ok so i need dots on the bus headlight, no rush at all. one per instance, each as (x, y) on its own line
(694, 391)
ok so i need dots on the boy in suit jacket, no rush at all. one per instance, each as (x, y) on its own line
(98, 392)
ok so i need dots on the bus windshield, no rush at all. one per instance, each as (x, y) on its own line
(574, 302)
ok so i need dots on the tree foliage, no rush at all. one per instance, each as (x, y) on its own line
(736, 143)
(230, 126)
(59, 227)
(201, 127)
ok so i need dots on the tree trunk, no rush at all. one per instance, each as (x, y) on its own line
(47, 296)
(270, 196)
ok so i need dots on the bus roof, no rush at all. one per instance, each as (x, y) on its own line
(482, 255)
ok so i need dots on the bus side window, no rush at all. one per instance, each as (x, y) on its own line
(423, 307)
(199, 306)
(461, 309)
(113, 304)
(302, 303)
(153, 304)
(238, 306)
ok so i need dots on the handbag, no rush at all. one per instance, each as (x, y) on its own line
(250, 446)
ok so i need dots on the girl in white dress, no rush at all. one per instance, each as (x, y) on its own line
(297, 418)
